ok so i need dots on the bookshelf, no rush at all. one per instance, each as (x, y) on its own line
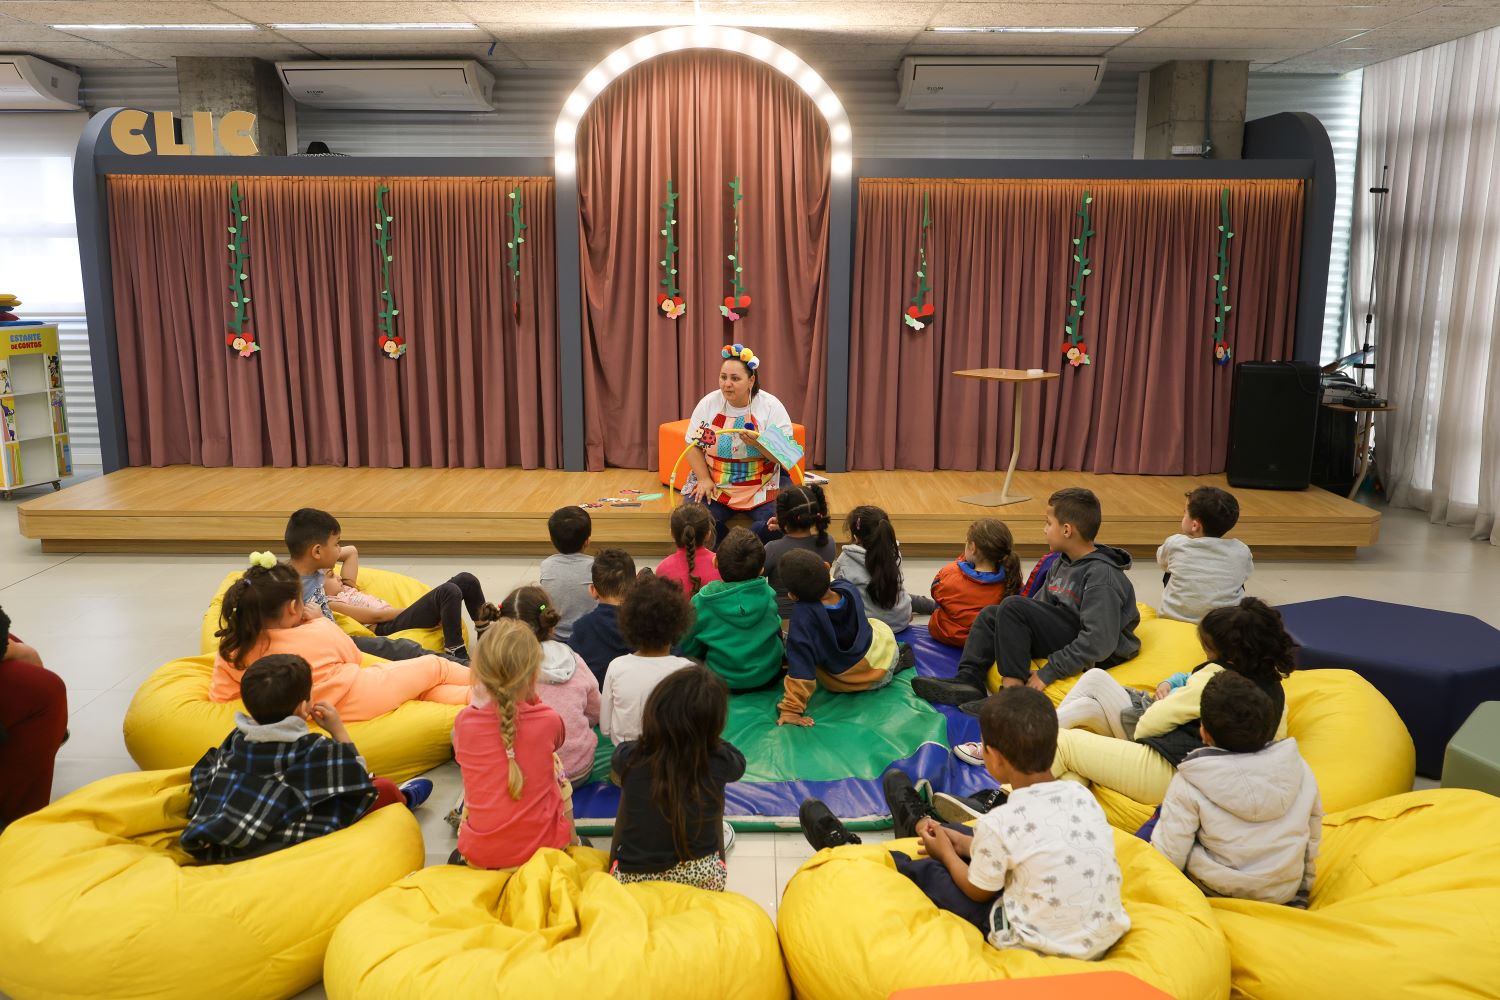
(34, 447)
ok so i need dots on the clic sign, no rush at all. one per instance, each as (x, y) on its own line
(235, 132)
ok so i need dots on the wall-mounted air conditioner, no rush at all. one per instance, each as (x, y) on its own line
(31, 84)
(992, 83)
(390, 85)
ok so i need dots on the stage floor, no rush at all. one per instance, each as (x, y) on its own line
(438, 511)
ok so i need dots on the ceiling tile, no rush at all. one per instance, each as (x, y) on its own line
(1313, 16)
(1406, 39)
(222, 50)
(118, 12)
(1027, 15)
(1235, 38)
(13, 32)
(325, 11)
(752, 14)
(478, 51)
(1463, 20)
(1313, 3)
(67, 52)
(794, 38)
(1326, 61)
(415, 37)
(1023, 45)
(1198, 52)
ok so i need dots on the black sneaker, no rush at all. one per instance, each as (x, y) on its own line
(962, 808)
(906, 805)
(906, 657)
(973, 707)
(821, 827)
(458, 654)
(945, 691)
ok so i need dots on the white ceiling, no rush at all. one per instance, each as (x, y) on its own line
(1305, 36)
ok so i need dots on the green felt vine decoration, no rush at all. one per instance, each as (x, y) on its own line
(1222, 308)
(238, 336)
(921, 311)
(737, 302)
(390, 342)
(517, 228)
(670, 301)
(1074, 349)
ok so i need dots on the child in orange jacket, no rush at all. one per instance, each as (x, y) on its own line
(988, 572)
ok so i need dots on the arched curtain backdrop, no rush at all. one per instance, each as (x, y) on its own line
(476, 387)
(1000, 257)
(699, 118)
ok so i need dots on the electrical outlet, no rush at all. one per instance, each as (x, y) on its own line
(1193, 150)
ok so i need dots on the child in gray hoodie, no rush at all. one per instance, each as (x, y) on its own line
(871, 560)
(1242, 817)
(1083, 616)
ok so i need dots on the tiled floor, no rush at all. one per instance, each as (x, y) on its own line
(104, 622)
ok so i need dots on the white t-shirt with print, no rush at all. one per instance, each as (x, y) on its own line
(1051, 853)
(765, 408)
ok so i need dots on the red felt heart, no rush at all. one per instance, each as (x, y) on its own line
(229, 339)
(383, 339)
(661, 298)
(744, 301)
(912, 311)
(677, 300)
(928, 309)
(729, 302)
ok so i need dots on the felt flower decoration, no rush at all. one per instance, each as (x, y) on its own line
(393, 347)
(911, 320)
(1222, 353)
(1077, 354)
(729, 313)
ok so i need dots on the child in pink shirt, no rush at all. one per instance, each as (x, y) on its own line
(507, 750)
(564, 681)
(263, 614)
(692, 566)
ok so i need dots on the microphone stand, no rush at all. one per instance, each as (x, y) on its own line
(1368, 347)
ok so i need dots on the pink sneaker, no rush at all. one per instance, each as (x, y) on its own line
(970, 753)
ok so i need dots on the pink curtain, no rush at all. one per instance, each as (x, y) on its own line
(1000, 263)
(699, 118)
(476, 388)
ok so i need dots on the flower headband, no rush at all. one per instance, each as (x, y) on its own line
(739, 352)
(264, 560)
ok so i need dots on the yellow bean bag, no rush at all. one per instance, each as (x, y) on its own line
(852, 926)
(171, 722)
(395, 589)
(1406, 904)
(557, 926)
(98, 900)
(1167, 647)
(1351, 737)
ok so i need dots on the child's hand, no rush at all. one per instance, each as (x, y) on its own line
(1163, 689)
(1035, 681)
(794, 720)
(773, 524)
(327, 716)
(311, 612)
(935, 844)
(348, 552)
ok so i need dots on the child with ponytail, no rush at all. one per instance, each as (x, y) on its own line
(564, 681)
(263, 614)
(987, 573)
(692, 565)
(871, 560)
(671, 825)
(507, 748)
(802, 519)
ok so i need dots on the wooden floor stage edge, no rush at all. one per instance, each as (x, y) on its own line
(447, 511)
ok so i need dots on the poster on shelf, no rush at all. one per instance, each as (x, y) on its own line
(12, 465)
(8, 418)
(59, 414)
(21, 340)
(64, 456)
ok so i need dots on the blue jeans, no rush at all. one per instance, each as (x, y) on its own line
(722, 512)
(931, 876)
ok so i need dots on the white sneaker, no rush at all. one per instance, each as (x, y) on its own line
(970, 753)
(728, 836)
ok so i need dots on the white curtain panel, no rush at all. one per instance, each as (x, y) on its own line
(1434, 117)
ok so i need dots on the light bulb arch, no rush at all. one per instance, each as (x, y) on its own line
(702, 36)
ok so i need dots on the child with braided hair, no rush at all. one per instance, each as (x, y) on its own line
(692, 565)
(564, 681)
(507, 750)
(802, 518)
(263, 613)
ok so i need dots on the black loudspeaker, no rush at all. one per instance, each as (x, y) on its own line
(1273, 417)
(1333, 451)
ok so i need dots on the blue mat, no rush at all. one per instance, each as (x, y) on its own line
(858, 738)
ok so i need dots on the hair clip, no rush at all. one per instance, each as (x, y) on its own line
(510, 752)
(265, 560)
(542, 606)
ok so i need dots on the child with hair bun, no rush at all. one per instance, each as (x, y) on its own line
(507, 749)
(692, 565)
(263, 613)
(564, 681)
(802, 518)
(987, 573)
(871, 560)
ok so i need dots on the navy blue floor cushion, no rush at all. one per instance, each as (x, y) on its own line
(1435, 667)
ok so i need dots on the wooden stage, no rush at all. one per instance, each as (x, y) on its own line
(444, 511)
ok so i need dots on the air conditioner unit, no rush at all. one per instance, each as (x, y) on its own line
(31, 84)
(992, 83)
(394, 85)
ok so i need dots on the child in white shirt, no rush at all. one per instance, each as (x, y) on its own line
(1205, 570)
(653, 617)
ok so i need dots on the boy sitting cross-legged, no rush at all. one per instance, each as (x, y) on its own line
(1038, 872)
(1083, 616)
(829, 640)
(737, 630)
(273, 782)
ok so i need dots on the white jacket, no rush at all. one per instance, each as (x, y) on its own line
(1244, 824)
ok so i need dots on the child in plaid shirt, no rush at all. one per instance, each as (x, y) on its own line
(273, 783)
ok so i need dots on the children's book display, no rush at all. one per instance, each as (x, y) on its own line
(34, 446)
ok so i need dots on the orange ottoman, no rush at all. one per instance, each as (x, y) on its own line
(670, 440)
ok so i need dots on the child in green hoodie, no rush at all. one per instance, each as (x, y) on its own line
(738, 629)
